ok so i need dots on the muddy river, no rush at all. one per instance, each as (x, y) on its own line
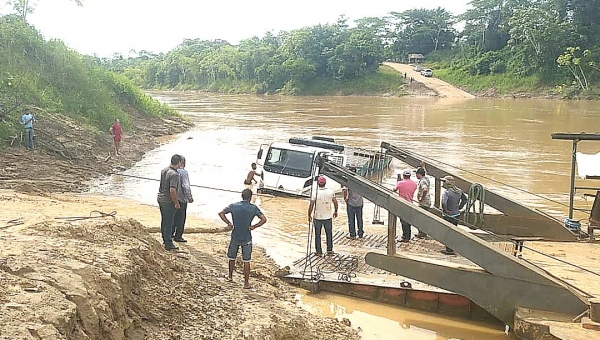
(503, 144)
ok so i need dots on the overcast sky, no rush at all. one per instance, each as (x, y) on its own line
(104, 27)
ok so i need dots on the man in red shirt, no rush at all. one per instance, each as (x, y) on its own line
(117, 133)
(406, 190)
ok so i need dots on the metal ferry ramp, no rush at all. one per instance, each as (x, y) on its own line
(500, 283)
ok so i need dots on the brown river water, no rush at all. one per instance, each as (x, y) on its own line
(506, 142)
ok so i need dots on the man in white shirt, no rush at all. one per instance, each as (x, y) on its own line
(321, 202)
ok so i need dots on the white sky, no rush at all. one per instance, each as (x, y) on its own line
(107, 26)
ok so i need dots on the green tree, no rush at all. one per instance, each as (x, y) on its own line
(24, 7)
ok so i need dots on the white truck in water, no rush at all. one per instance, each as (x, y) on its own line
(289, 167)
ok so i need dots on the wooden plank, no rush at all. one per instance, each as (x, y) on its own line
(391, 244)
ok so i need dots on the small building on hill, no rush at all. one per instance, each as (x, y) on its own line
(415, 58)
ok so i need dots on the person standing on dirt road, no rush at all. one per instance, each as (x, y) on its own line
(27, 120)
(168, 202)
(117, 132)
(184, 196)
(242, 214)
(321, 203)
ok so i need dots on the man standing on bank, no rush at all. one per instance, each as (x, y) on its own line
(321, 202)
(27, 120)
(242, 214)
(453, 199)
(354, 206)
(117, 133)
(184, 196)
(406, 190)
(168, 202)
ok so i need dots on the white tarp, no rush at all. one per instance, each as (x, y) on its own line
(588, 165)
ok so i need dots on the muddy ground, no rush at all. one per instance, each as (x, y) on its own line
(108, 278)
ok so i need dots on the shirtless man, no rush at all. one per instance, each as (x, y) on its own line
(250, 177)
(117, 132)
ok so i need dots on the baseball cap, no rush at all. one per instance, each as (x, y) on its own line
(321, 180)
(448, 179)
(406, 172)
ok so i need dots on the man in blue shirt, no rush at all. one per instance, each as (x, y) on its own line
(184, 195)
(27, 120)
(242, 214)
(453, 200)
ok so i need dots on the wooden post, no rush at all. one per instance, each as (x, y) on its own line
(572, 189)
(595, 310)
(438, 193)
(391, 245)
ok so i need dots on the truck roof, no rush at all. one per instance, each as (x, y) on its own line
(301, 148)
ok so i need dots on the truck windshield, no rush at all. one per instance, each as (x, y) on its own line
(289, 162)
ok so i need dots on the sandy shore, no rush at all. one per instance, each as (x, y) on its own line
(108, 278)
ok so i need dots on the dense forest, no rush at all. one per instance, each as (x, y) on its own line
(46, 76)
(504, 45)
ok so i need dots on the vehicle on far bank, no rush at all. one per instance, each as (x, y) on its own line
(427, 72)
(417, 68)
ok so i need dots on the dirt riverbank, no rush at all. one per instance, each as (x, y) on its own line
(69, 154)
(110, 279)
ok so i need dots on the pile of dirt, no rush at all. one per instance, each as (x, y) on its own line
(69, 154)
(112, 280)
(419, 89)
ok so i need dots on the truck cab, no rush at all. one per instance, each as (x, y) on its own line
(289, 168)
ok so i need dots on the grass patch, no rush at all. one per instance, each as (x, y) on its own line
(385, 81)
(502, 83)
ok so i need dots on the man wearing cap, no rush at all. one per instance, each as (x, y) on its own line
(453, 199)
(406, 190)
(423, 193)
(321, 202)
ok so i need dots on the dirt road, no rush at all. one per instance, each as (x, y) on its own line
(110, 279)
(443, 89)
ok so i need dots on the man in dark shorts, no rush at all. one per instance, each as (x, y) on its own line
(242, 214)
(168, 202)
(117, 133)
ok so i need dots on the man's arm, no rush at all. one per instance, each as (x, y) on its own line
(345, 192)
(186, 186)
(262, 221)
(311, 206)
(173, 194)
(225, 219)
(422, 193)
(396, 187)
(335, 206)
(463, 200)
(173, 182)
(445, 203)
